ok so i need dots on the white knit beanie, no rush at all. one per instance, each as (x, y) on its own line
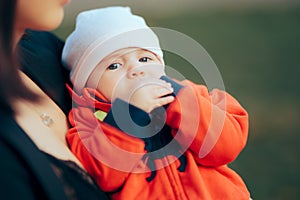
(100, 32)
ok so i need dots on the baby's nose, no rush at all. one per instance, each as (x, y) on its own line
(136, 72)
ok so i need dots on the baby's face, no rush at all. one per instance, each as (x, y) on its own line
(124, 70)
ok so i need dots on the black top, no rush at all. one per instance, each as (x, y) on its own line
(25, 171)
(40, 54)
(77, 183)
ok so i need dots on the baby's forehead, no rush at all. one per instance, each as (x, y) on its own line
(125, 51)
(119, 54)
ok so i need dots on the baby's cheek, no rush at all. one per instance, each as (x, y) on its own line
(157, 72)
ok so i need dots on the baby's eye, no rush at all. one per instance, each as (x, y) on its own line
(144, 59)
(114, 66)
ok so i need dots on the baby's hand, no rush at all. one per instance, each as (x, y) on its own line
(152, 95)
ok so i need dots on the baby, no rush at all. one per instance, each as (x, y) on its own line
(139, 132)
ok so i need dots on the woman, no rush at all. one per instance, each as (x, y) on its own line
(36, 162)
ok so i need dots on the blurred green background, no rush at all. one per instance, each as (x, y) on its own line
(257, 50)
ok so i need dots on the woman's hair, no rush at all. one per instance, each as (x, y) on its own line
(11, 85)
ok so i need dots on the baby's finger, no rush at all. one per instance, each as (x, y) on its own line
(164, 100)
(165, 84)
(163, 91)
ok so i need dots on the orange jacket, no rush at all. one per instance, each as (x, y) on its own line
(208, 130)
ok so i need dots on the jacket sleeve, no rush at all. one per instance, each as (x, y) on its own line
(107, 153)
(212, 125)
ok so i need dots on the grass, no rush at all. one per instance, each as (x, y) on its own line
(257, 53)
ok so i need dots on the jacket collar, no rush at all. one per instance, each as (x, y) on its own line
(90, 98)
